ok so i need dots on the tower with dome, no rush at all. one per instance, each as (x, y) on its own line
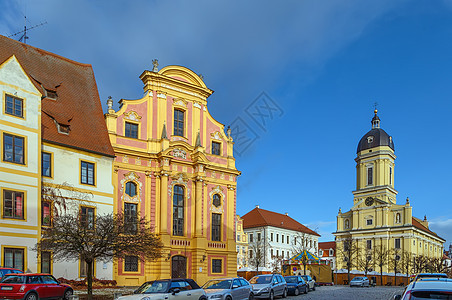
(377, 222)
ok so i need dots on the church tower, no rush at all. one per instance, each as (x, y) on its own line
(376, 223)
(375, 167)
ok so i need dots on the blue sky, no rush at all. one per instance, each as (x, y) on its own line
(323, 64)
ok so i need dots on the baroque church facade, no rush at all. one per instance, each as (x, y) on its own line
(376, 220)
(174, 164)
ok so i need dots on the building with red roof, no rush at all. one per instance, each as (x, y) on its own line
(273, 237)
(54, 138)
(327, 251)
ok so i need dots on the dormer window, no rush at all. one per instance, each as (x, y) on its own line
(51, 94)
(63, 128)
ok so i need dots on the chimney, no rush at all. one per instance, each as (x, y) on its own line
(257, 206)
(287, 214)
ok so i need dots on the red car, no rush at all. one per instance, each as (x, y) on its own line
(33, 287)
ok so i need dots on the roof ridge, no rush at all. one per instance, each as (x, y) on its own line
(50, 53)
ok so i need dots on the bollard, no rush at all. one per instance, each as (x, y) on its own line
(74, 297)
(116, 295)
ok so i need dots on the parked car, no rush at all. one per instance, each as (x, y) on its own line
(269, 286)
(296, 285)
(359, 281)
(427, 288)
(228, 289)
(33, 287)
(186, 289)
(309, 281)
(5, 270)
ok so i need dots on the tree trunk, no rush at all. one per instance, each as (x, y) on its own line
(304, 268)
(89, 277)
(381, 275)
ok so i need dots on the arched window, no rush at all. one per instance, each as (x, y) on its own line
(397, 219)
(131, 189)
(216, 200)
(347, 224)
(178, 210)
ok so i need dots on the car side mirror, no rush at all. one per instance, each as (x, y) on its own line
(175, 291)
(397, 297)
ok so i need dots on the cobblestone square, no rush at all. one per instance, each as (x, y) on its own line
(341, 292)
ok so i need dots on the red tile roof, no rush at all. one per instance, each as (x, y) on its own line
(417, 223)
(77, 104)
(327, 245)
(260, 217)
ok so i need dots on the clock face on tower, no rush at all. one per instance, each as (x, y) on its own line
(369, 201)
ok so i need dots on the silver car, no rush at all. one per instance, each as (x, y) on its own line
(168, 289)
(359, 281)
(269, 286)
(228, 289)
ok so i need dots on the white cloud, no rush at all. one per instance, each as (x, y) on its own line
(443, 227)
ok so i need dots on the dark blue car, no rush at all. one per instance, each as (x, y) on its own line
(5, 270)
(296, 285)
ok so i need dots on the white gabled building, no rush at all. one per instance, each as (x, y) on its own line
(53, 136)
(278, 236)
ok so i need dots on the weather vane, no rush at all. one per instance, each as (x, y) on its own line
(375, 105)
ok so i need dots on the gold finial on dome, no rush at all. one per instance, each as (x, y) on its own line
(375, 111)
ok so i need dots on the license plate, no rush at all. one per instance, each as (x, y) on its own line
(7, 288)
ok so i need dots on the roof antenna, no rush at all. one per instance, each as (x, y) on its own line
(24, 37)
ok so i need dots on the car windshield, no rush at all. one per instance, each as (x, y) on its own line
(153, 287)
(291, 279)
(218, 284)
(357, 279)
(261, 280)
(13, 279)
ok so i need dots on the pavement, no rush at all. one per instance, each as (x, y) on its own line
(344, 292)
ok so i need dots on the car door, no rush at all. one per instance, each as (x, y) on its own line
(236, 290)
(246, 286)
(53, 289)
(186, 292)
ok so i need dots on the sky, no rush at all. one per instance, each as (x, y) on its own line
(296, 80)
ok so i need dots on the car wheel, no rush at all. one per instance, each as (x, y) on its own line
(228, 298)
(202, 298)
(313, 287)
(272, 296)
(297, 292)
(284, 295)
(68, 293)
(32, 296)
(251, 297)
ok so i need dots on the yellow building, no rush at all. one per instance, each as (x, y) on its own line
(174, 164)
(376, 221)
(242, 244)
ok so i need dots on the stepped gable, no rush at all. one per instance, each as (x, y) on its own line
(71, 110)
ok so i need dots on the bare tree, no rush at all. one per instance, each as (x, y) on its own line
(419, 264)
(348, 253)
(276, 263)
(395, 262)
(381, 254)
(300, 243)
(406, 262)
(256, 250)
(438, 265)
(365, 260)
(73, 236)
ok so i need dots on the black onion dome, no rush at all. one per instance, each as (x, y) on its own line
(375, 137)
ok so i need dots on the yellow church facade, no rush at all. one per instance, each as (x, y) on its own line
(174, 164)
(376, 222)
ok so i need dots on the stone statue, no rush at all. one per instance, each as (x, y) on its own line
(155, 64)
